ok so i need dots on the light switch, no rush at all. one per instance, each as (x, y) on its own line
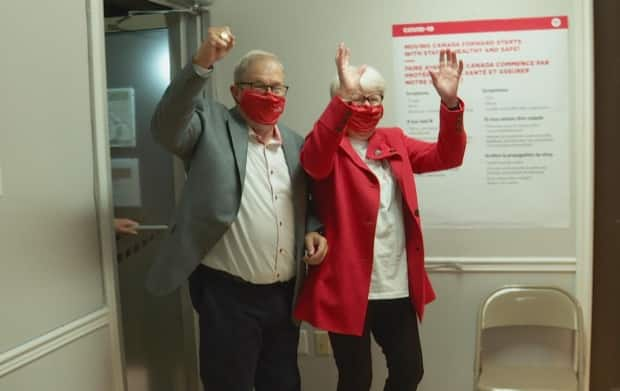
(322, 347)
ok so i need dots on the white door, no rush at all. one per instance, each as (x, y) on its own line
(58, 322)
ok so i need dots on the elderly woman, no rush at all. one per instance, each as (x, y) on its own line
(373, 278)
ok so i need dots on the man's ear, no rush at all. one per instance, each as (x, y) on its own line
(235, 92)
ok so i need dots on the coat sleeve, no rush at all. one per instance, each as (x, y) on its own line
(319, 150)
(313, 224)
(180, 116)
(449, 149)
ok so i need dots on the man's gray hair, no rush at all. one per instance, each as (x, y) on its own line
(371, 80)
(249, 58)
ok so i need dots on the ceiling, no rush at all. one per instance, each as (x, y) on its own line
(122, 7)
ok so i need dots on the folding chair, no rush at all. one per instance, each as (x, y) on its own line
(529, 306)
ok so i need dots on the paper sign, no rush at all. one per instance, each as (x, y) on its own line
(126, 182)
(515, 86)
(122, 117)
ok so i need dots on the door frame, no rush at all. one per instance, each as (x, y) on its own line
(103, 184)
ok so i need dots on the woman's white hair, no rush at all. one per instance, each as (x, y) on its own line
(371, 80)
(249, 58)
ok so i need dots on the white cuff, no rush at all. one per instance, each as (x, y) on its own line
(202, 71)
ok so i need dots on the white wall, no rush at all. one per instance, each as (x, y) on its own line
(57, 290)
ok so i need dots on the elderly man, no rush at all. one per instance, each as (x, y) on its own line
(373, 279)
(239, 230)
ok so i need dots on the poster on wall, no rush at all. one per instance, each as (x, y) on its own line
(126, 182)
(515, 85)
(122, 117)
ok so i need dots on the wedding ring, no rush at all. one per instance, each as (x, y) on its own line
(224, 35)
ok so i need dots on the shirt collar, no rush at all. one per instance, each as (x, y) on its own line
(271, 139)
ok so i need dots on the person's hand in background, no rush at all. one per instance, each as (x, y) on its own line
(125, 226)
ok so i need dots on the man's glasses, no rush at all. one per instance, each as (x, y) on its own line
(277, 89)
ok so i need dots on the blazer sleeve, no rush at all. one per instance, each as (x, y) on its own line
(313, 224)
(319, 150)
(449, 149)
(179, 118)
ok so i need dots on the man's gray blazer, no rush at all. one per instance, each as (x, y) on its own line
(213, 143)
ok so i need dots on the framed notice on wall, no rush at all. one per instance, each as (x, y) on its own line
(516, 173)
(122, 117)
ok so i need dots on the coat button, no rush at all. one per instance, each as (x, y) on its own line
(377, 152)
(416, 213)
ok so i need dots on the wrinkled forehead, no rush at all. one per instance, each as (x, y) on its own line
(265, 69)
(368, 91)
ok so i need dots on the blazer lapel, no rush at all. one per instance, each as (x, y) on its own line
(291, 153)
(239, 136)
(299, 189)
(345, 145)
